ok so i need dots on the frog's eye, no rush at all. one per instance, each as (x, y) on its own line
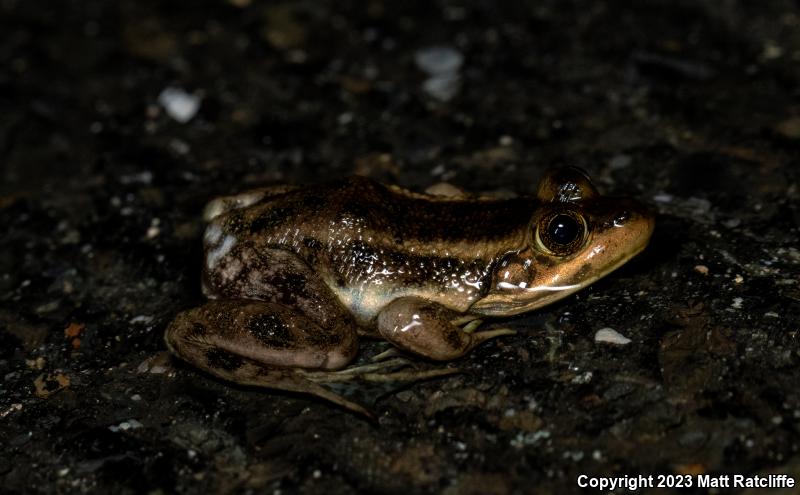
(561, 232)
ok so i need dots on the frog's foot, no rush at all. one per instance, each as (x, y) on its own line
(465, 320)
(288, 379)
(372, 373)
(471, 326)
(428, 329)
(470, 323)
(388, 353)
(354, 372)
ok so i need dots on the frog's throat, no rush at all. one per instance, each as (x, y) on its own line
(510, 305)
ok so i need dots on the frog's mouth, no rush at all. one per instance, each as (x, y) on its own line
(510, 300)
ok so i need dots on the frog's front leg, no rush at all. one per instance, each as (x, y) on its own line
(430, 330)
(263, 344)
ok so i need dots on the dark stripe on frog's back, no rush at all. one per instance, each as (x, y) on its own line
(389, 217)
(397, 218)
(425, 220)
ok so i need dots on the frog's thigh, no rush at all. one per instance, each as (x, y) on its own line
(268, 274)
(426, 329)
(222, 336)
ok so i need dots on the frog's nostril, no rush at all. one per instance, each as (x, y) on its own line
(622, 218)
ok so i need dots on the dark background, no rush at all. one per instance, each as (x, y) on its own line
(690, 106)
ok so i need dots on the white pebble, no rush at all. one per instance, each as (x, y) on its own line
(620, 161)
(143, 319)
(179, 104)
(437, 60)
(131, 424)
(611, 336)
(442, 87)
(442, 64)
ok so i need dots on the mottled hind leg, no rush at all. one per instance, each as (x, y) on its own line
(431, 330)
(244, 270)
(263, 344)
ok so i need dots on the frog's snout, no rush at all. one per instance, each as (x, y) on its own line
(631, 222)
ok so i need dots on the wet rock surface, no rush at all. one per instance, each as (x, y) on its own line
(120, 120)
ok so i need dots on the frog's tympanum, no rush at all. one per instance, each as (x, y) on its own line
(295, 275)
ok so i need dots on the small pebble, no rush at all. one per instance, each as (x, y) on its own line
(506, 140)
(131, 424)
(583, 378)
(442, 87)
(144, 319)
(436, 60)
(442, 64)
(702, 269)
(620, 161)
(789, 128)
(771, 51)
(179, 104)
(144, 177)
(404, 395)
(438, 170)
(611, 336)
(737, 303)
(732, 223)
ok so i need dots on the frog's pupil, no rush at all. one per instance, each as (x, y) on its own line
(563, 229)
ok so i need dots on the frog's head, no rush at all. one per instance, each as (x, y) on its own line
(575, 237)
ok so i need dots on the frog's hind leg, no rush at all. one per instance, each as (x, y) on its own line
(431, 330)
(263, 344)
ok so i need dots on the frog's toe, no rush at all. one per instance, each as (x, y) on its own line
(409, 375)
(376, 372)
(387, 354)
(463, 319)
(296, 382)
(468, 323)
(354, 371)
(485, 335)
(472, 326)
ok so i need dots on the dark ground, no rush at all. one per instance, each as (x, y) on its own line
(691, 106)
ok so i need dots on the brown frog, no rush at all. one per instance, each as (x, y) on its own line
(296, 274)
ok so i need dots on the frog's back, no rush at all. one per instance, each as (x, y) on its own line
(371, 243)
(358, 208)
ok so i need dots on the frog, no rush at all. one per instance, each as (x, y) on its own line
(296, 275)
